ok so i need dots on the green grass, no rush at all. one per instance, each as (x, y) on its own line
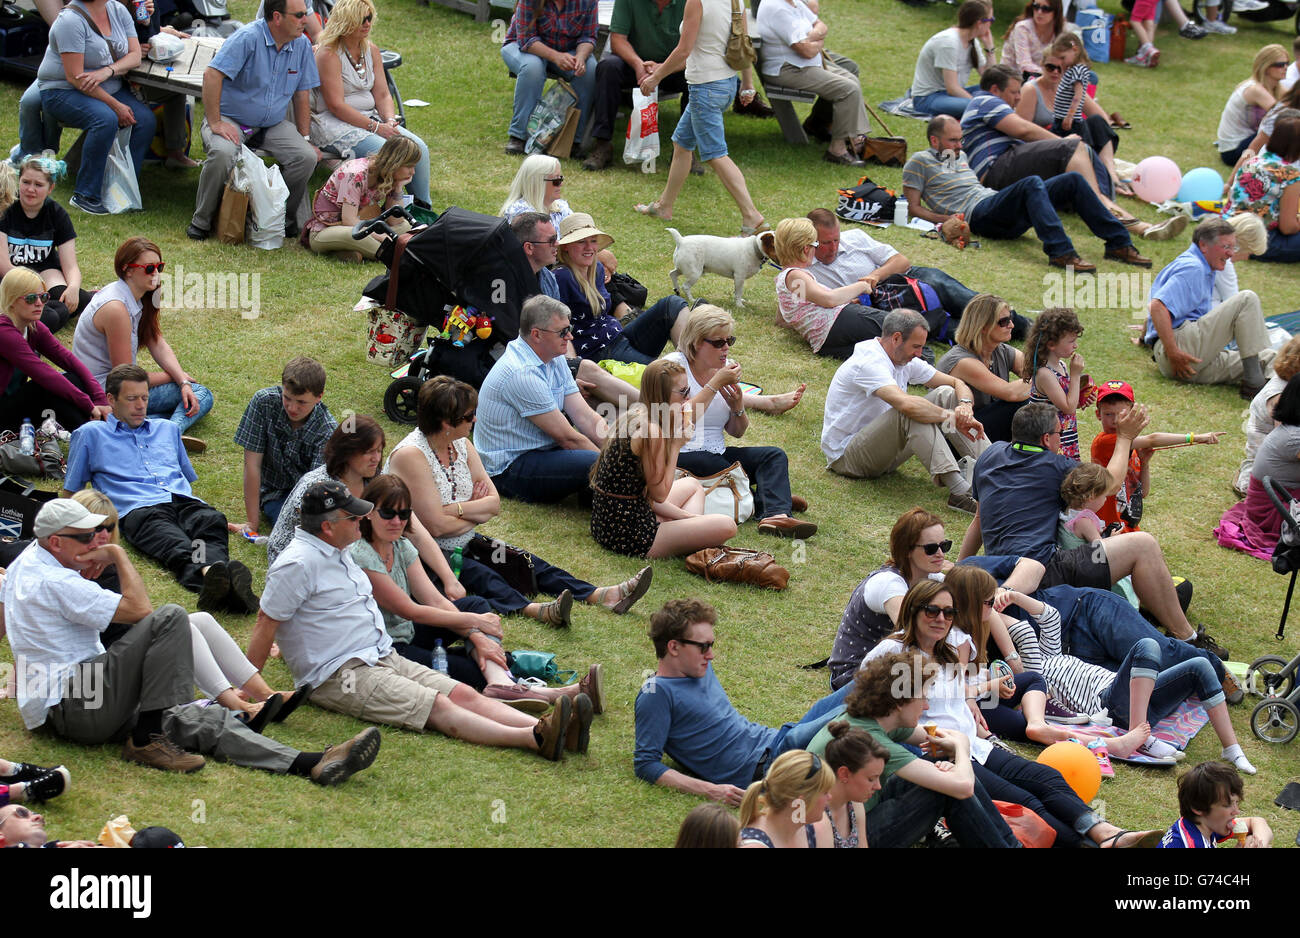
(446, 792)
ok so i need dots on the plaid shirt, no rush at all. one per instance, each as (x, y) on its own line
(287, 452)
(561, 24)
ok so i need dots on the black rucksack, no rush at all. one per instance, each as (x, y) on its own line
(866, 202)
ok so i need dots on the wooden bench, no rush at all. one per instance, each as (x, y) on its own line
(782, 100)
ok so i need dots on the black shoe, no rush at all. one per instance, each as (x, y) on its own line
(755, 108)
(515, 147)
(270, 707)
(241, 596)
(819, 132)
(216, 587)
(26, 772)
(195, 233)
(291, 231)
(49, 785)
(89, 206)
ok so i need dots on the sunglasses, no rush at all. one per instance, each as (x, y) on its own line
(1004, 322)
(1040, 7)
(388, 514)
(813, 767)
(1050, 67)
(989, 603)
(299, 16)
(107, 528)
(564, 333)
(936, 612)
(1278, 64)
(21, 813)
(554, 240)
(85, 537)
(989, 19)
(368, 18)
(940, 548)
(33, 297)
(467, 418)
(728, 342)
(702, 646)
(149, 269)
(683, 391)
(554, 180)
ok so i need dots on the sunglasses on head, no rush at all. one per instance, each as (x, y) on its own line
(728, 342)
(1050, 67)
(935, 612)
(388, 514)
(149, 269)
(942, 547)
(33, 297)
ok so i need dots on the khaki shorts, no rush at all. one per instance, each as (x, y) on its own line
(395, 691)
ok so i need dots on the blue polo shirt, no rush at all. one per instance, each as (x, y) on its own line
(1186, 287)
(981, 141)
(261, 79)
(1019, 491)
(520, 385)
(135, 468)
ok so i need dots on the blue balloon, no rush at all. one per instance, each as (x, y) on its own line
(1202, 183)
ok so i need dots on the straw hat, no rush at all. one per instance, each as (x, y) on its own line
(578, 227)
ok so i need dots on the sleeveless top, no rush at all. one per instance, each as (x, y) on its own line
(1069, 424)
(707, 61)
(861, 629)
(1042, 114)
(327, 130)
(1239, 121)
(455, 484)
(852, 839)
(755, 836)
(811, 321)
(91, 345)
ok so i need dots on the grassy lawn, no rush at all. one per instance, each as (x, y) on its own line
(432, 791)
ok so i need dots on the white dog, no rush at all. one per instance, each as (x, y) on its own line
(737, 258)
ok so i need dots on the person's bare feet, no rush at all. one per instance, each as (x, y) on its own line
(655, 209)
(780, 403)
(1048, 733)
(1124, 746)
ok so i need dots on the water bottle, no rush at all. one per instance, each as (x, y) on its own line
(439, 657)
(900, 212)
(27, 438)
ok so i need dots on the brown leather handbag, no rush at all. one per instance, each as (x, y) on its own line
(738, 565)
(890, 150)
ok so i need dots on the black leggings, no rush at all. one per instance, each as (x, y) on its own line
(854, 324)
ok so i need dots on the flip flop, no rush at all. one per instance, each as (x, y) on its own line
(291, 704)
(651, 208)
(1118, 122)
(1124, 189)
(270, 707)
(1146, 841)
(748, 230)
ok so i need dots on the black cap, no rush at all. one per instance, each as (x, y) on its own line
(321, 498)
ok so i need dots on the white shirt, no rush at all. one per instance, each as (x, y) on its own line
(859, 255)
(1225, 284)
(53, 616)
(1292, 74)
(326, 608)
(709, 435)
(780, 25)
(852, 403)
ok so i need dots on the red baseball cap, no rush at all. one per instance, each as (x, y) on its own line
(1115, 387)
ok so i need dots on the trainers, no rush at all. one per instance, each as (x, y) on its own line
(1160, 751)
(1191, 31)
(241, 598)
(1140, 59)
(940, 836)
(1218, 27)
(339, 763)
(1127, 255)
(1231, 689)
(1169, 228)
(162, 753)
(963, 502)
(26, 772)
(88, 205)
(1203, 639)
(1059, 714)
(600, 156)
(579, 734)
(1248, 6)
(593, 685)
(52, 783)
(552, 730)
(216, 587)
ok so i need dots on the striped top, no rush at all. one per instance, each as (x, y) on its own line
(1072, 681)
(1076, 74)
(520, 385)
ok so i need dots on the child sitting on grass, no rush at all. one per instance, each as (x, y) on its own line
(1209, 799)
(1055, 371)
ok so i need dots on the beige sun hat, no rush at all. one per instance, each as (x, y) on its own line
(578, 227)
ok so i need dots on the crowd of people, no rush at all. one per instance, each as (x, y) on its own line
(377, 567)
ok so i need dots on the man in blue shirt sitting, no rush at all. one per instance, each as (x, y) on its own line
(683, 711)
(246, 91)
(141, 465)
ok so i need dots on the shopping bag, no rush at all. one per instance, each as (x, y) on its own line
(267, 196)
(642, 144)
(121, 190)
(548, 118)
(232, 215)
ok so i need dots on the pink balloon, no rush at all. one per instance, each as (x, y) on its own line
(1156, 179)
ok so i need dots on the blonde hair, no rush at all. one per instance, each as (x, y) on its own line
(586, 281)
(8, 184)
(398, 152)
(19, 282)
(793, 235)
(97, 502)
(1287, 364)
(700, 321)
(977, 321)
(529, 183)
(1263, 59)
(346, 18)
(1083, 483)
(1252, 236)
(794, 776)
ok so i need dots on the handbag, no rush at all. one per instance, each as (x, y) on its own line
(121, 189)
(538, 664)
(726, 492)
(232, 215)
(889, 150)
(738, 565)
(46, 462)
(740, 51)
(513, 565)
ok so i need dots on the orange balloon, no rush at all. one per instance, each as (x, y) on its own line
(1077, 765)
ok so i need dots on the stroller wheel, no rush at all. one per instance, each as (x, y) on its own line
(1275, 720)
(1264, 678)
(400, 399)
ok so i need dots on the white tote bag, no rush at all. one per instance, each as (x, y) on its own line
(642, 144)
(726, 493)
(267, 195)
(120, 191)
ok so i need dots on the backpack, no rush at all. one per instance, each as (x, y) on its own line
(866, 202)
(900, 290)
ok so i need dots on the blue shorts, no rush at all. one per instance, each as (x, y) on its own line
(701, 125)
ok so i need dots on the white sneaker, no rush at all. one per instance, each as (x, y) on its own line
(1169, 228)
(1243, 765)
(1248, 6)
(1160, 750)
(1219, 27)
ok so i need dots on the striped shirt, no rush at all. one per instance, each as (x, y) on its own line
(982, 142)
(1072, 681)
(520, 385)
(946, 182)
(1077, 74)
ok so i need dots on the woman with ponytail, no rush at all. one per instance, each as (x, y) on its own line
(776, 812)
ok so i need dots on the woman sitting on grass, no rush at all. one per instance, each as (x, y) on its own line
(984, 358)
(1253, 524)
(416, 615)
(775, 812)
(1249, 102)
(536, 188)
(858, 762)
(358, 189)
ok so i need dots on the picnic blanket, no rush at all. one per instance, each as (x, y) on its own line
(904, 107)
(1177, 729)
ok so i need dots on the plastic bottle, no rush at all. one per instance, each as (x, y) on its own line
(439, 657)
(900, 211)
(27, 438)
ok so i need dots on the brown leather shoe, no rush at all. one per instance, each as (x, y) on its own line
(1073, 260)
(798, 503)
(787, 527)
(339, 763)
(593, 685)
(518, 696)
(579, 734)
(161, 753)
(552, 730)
(1128, 255)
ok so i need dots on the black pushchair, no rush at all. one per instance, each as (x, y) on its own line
(461, 259)
(1276, 719)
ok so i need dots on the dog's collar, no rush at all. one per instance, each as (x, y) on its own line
(767, 260)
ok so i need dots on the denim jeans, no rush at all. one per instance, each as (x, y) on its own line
(165, 401)
(1031, 202)
(700, 127)
(941, 102)
(419, 184)
(954, 295)
(100, 123)
(1192, 678)
(644, 338)
(37, 129)
(1042, 789)
(1282, 247)
(530, 76)
(546, 475)
(271, 508)
(905, 813)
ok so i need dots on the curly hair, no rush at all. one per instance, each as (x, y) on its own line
(886, 683)
(1048, 329)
